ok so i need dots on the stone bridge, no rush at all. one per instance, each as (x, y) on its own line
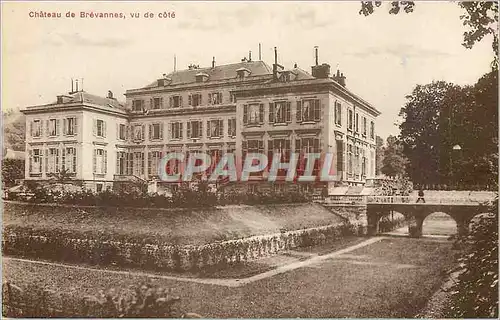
(461, 210)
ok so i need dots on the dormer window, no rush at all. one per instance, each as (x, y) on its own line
(164, 82)
(242, 73)
(201, 77)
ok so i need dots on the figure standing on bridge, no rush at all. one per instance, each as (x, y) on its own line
(420, 196)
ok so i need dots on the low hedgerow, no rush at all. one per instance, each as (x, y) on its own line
(136, 251)
(36, 301)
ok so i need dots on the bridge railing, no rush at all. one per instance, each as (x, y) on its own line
(345, 199)
(428, 200)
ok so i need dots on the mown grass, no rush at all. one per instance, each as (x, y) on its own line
(336, 288)
(177, 226)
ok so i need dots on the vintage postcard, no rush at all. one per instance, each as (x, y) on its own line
(241, 159)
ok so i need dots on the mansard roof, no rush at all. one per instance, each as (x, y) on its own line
(217, 73)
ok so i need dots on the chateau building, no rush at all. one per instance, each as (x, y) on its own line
(237, 108)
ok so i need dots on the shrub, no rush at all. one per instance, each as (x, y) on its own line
(475, 294)
(141, 301)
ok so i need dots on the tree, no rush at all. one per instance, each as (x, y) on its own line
(62, 176)
(480, 17)
(14, 130)
(12, 169)
(394, 161)
(379, 153)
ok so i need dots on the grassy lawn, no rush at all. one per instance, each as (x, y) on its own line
(182, 226)
(390, 278)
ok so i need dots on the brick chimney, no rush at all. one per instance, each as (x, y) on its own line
(320, 71)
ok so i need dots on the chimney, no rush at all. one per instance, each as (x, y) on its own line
(76, 85)
(316, 54)
(260, 52)
(175, 63)
(339, 78)
(110, 94)
(295, 66)
(342, 80)
(249, 56)
(72, 89)
(213, 62)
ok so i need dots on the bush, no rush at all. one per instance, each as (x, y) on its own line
(475, 294)
(142, 301)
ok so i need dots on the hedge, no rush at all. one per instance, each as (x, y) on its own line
(142, 301)
(126, 251)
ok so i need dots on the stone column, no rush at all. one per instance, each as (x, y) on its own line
(415, 225)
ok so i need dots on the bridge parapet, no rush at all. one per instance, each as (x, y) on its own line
(428, 200)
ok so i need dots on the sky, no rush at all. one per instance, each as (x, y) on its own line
(383, 56)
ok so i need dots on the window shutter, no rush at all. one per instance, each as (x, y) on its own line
(209, 98)
(105, 161)
(104, 129)
(270, 145)
(65, 125)
(117, 162)
(94, 127)
(94, 161)
(299, 111)
(171, 130)
(170, 102)
(180, 130)
(261, 113)
(46, 160)
(245, 113)
(190, 100)
(297, 145)
(221, 128)
(30, 159)
(244, 145)
(161, 130)
(288, 112)
(31, 128)
(189, 130)
(271, 112)
(200, 99)
(63, 161)
(150, 131)
(151, 103)
(47, 130)
(200, 129)
(143, 132)
(75, 127)
(220, 97)
(209, 125)
(316, 110)
(316, 145)
(180, 101)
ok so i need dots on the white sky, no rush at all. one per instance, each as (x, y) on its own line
(383, 56)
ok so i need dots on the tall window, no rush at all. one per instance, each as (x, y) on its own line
(194, 99)
(349, 120)
(176, 130)
(36, 128)
(53, 127)
(252, 146)
(215, 98)
(154, 158)
(231, 127)
(138, 163)
(357, 122)
(194, 129)
(364, 126)
(52, 163)
(215, 128)
(121, 162)
(155, 131)
(35, 161)
(100, 161)
(281, 147)
(122, 131)
(308, 110)
(215, 156)
(100, 128)
(372, 130)
(157, 103)
(137, 105)
(338, 113)
(69, 159)
(69, 126)
(175, 101)
(280, 112)
(356, 161)
(363, 163)
(253, 114)
(307, 145)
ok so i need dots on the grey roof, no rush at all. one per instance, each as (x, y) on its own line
(217, 73)
(86, 97)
